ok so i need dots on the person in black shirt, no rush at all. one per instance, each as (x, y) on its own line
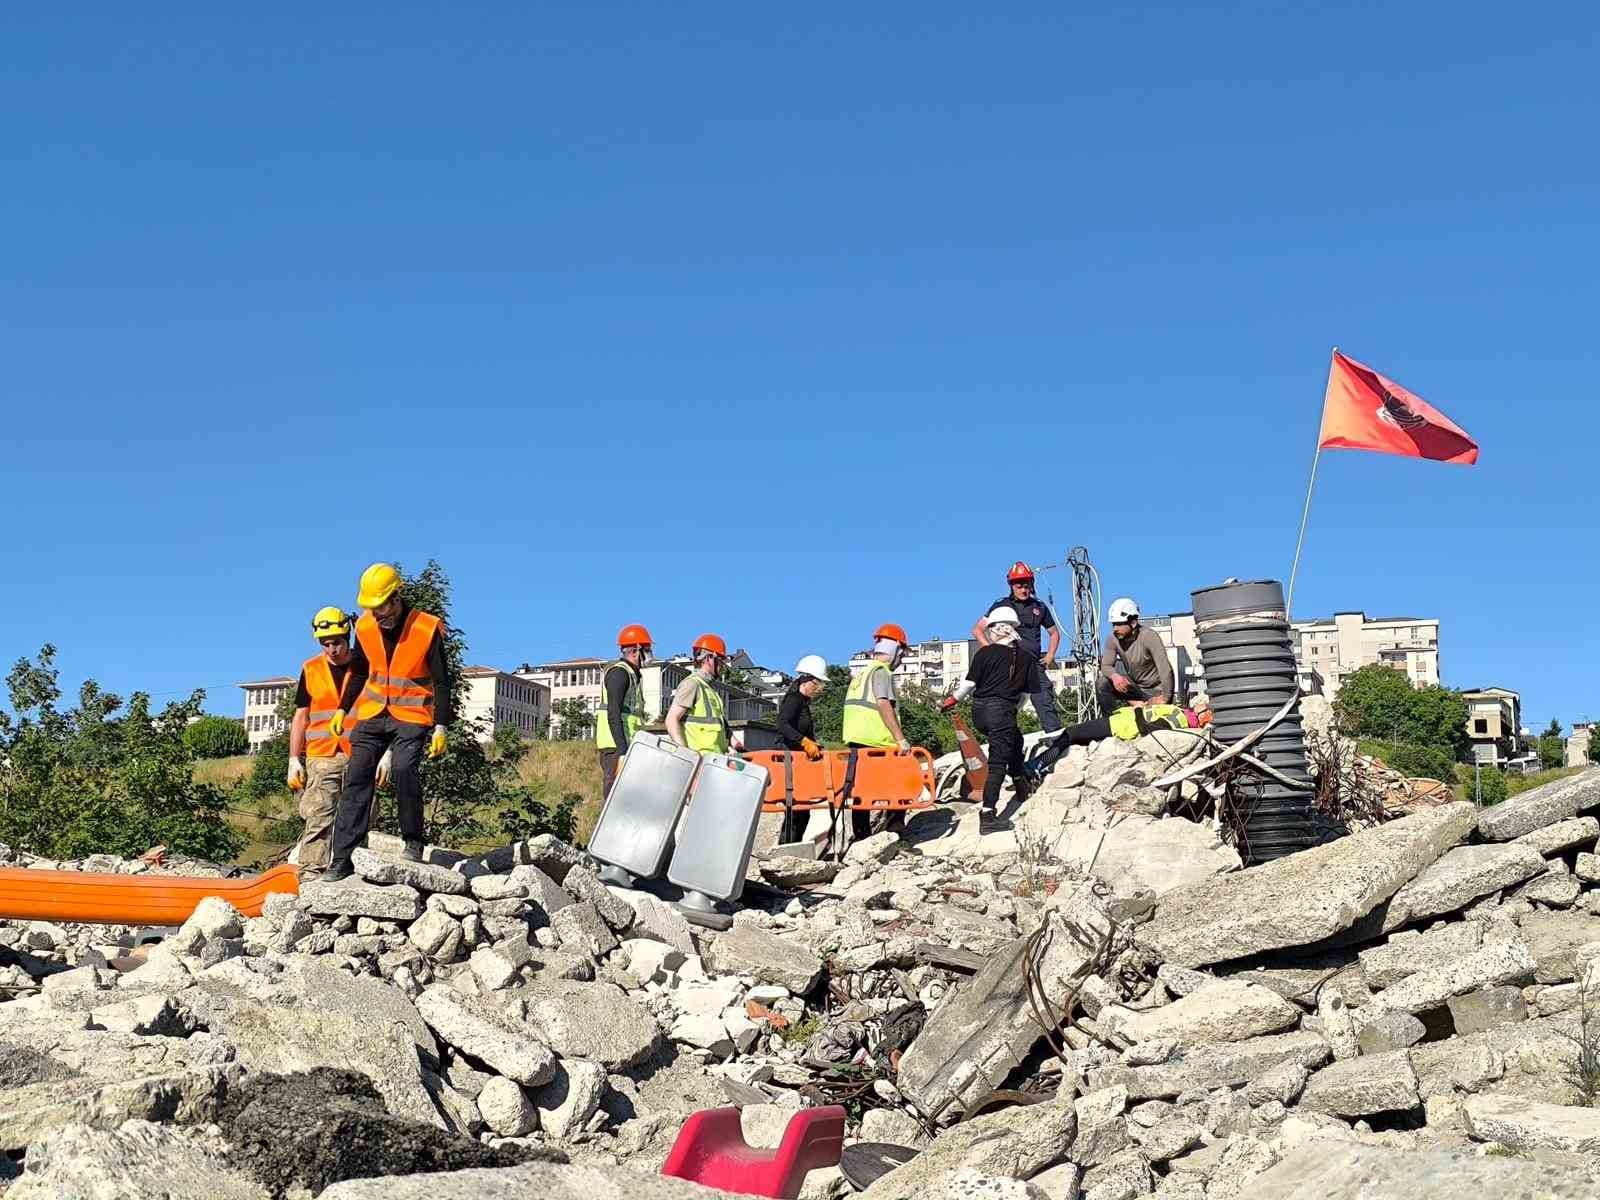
(1033, 619)
(999, 676)
(798, 727)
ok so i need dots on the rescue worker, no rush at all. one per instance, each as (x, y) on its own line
(998, 677)
(797, 726)
(1133, 665)
(397, 689)
(697, 718)
(1033, 618)
(1126, 723)
(317, 758)
(623, 715)
(870, 717)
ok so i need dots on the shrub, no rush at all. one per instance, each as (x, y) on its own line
(216, 737)
(1422, 762)
(1492, 782)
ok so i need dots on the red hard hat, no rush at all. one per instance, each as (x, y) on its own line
(634, 635)
(711, 642)
(891, 630)
(1019, 571)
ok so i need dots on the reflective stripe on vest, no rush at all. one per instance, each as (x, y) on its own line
(1125, 722)
(403, 686)
(632, 709)
(320, 743)
(706, 726)
(863, 722)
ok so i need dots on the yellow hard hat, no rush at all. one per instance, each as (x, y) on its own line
(378, 583)
(330, 622)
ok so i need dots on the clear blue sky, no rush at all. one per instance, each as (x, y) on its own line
(785, 322)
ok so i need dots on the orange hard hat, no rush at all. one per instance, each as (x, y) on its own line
(634, 635)
(1019, 571)
(711, 642)
(891, 630)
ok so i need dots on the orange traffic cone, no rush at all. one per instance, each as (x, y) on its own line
(971, 756)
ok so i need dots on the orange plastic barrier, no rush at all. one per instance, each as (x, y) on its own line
(76, 896)
(885, 780)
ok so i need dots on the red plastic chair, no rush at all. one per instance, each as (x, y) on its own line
(711, 1150)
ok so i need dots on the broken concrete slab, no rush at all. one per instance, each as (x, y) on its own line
(1458, 878)
(1362, 1087)
(1102, 1127)
(995, 1143)
(1347, 1170)
(974, 1039)
(1554, 939)
(1542, 806)
(1408, 951)
(594, 1021)
(425, 877)
(1303, 897)
(1458, 1064)
(1528, 1125)
(748, 949)
(1499, 960)
(1389, 1031)
(1555, 890)
(1225, 1011)
(137, 1159)
(1139, 851)
(1563, 835)
(394, 902)
(1230, 1064)
(486, 1032)
(1477, 1011)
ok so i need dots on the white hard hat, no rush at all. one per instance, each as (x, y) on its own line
(1123, 608)
(1004, 615)
(813, 665)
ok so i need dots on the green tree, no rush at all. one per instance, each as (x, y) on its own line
(216, 737)
(1490, 786)
(1422, 762)
(1374, 702)
(921, 721)
(1594, 744)
(85, 780)
(1552, 747)
(570, 721)
(1437, 716)
(828, 709)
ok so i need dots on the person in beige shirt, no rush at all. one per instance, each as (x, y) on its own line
(1134, 668)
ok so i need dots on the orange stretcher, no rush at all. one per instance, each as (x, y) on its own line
(80, 897)
(884, 781)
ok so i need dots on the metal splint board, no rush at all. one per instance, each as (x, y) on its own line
(719, 830)
(635, 828)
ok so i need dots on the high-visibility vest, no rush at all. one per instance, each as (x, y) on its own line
(863, 723)
(706, 726)
(320, 743)
(403, 686)
(1127, 725)
(632, 709)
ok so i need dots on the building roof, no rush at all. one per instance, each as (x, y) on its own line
(568, 662)
(275, 681)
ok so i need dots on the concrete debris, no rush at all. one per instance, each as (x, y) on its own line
(1345, 1170)
(135, 1159)
(1169, 1026)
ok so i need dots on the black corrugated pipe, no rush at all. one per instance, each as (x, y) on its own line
(1249, 667)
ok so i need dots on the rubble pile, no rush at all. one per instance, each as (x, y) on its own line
(1096, 1001)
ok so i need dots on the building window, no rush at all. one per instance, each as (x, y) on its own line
(1480, 725)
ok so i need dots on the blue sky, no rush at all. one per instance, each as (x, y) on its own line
(782, 323)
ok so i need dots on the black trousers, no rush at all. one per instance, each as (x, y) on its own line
(1083, 733)
(1111, 699)
(997, 719)
(367, 744)
(608, 770)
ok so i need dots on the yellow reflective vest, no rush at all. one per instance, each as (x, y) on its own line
(706, 726)
(632, 709)
(1125, 722)
(863, 723)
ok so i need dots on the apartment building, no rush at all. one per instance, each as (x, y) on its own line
(1578, 744)
(583, 679)
(1494, 725)
(495, 698)
(1330, 648)
(937, 664)
(261, 700)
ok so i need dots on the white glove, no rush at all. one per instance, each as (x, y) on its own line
(385, 768)
(297, 774)
(905, 746)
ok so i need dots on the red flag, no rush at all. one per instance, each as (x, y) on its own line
(1367, 411)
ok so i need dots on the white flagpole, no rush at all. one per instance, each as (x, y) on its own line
(1305, 515)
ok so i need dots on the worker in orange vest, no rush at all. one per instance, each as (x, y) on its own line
(317, 759)
(398, 693)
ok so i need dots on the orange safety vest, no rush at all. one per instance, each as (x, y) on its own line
(320, 743)
(404, 686)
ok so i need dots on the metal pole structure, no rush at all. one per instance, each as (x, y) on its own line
(1085, 630)
(1305, 514)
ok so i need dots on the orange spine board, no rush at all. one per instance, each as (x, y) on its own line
(79, 897)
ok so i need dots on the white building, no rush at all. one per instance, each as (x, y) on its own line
(261, 700)
(580, 679)
(494, 698)
(1578, 744)
(583, 679)
(1328, 649)
(936, 664)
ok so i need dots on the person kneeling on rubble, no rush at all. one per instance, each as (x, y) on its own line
(1125, 724)
(1001, 674)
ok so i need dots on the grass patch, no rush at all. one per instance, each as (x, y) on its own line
(802, 1031)
(224, 772)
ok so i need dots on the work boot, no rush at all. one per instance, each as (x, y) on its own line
(1021, 789)
(412, 852)
(337, 872)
